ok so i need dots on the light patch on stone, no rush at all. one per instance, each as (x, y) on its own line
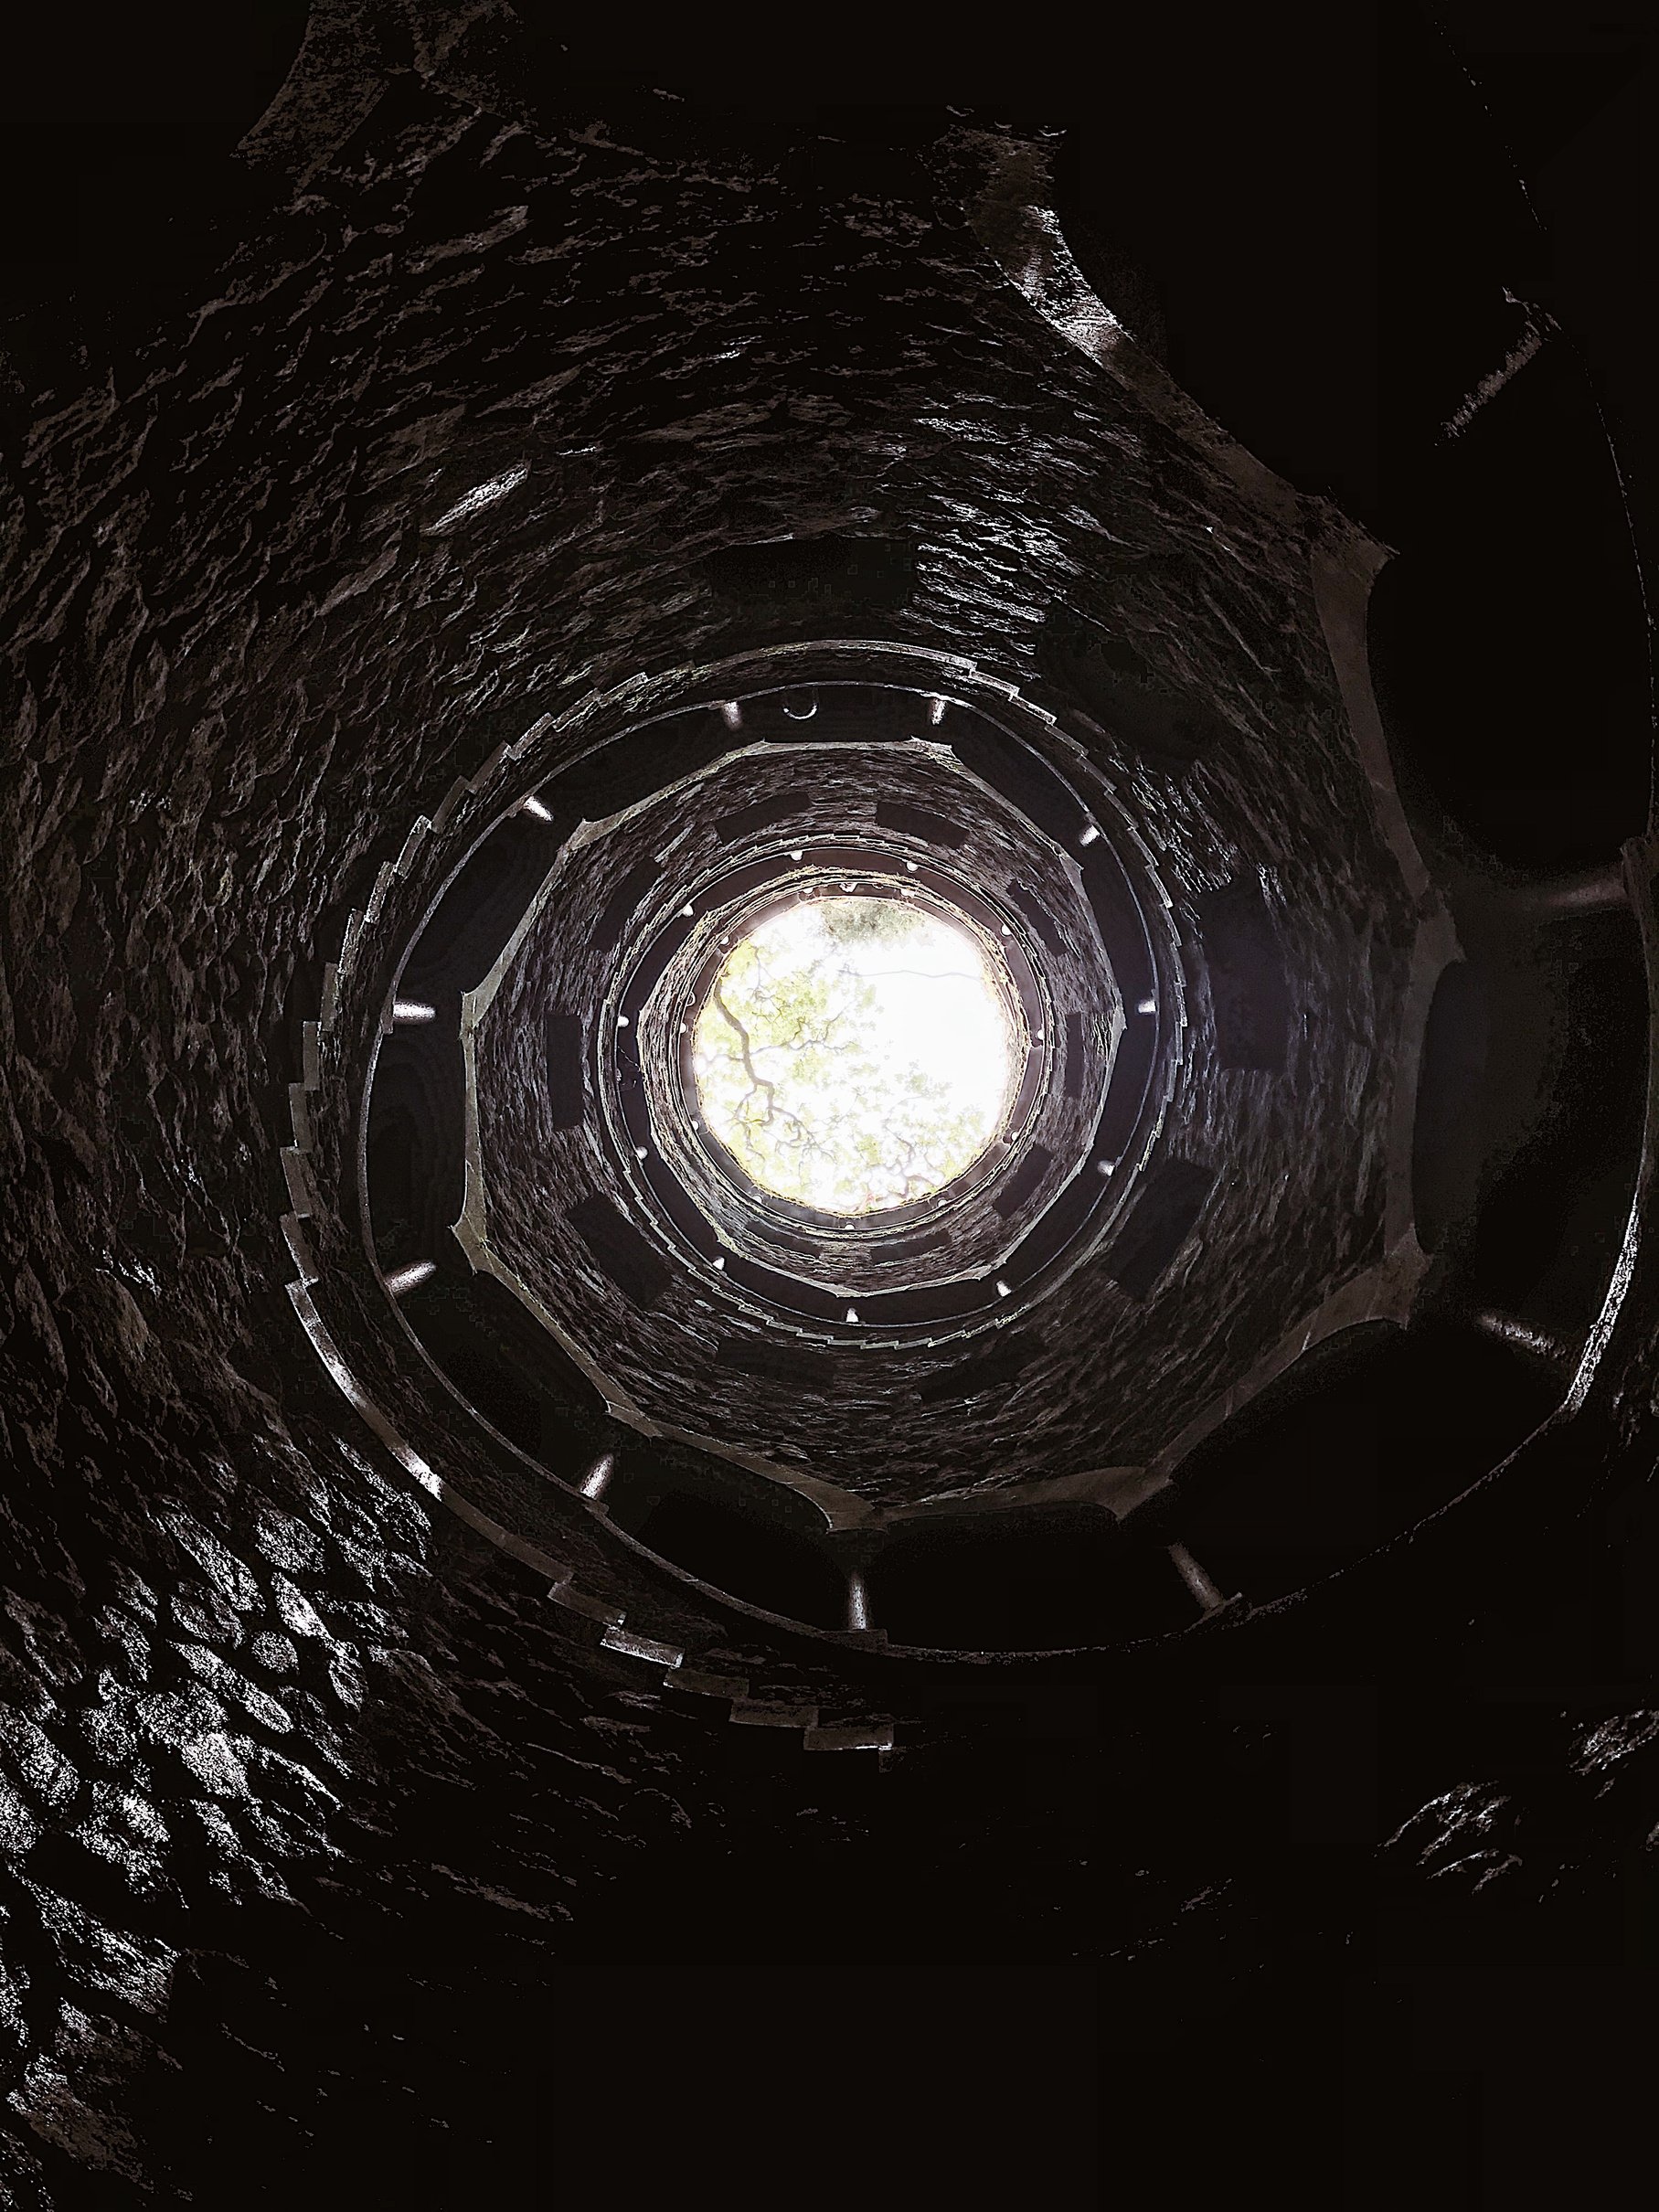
(275, 1652)
(37, 1762)
(483, 496)
(228, 1573)
(296, 1612)
(212, 1761)
(18, 1827)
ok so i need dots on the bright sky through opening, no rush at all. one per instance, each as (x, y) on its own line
(853, 1053)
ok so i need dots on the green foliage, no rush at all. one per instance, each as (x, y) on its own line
(797, 1079)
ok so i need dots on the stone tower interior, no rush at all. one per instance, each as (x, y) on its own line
(534, 1668)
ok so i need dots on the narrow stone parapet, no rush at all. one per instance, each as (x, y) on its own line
(1207, 1593)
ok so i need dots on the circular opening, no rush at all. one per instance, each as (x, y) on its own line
(856, 1054)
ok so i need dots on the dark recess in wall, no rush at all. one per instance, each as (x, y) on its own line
(1508, 641)
(779, 1360)
(914, 1247)
(613, 916)
(1023, 1182)
(566, 1070)
(1108, 680)
(1244, 963)
(915, 822)
(1012, 768)
(629, 768)
(785, 1240)
(457, 1311)
(1037, 914)
(620, 1250)
(1075, 1058)
(415, 1142)
(480, 910)
(991, 1370)
(1159, 1223)
(744, 821)
(1447, 1147)
(1548, 1227)
(736, 1553)
(1048, 1577)
(798, 579)
(1352, 1445)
